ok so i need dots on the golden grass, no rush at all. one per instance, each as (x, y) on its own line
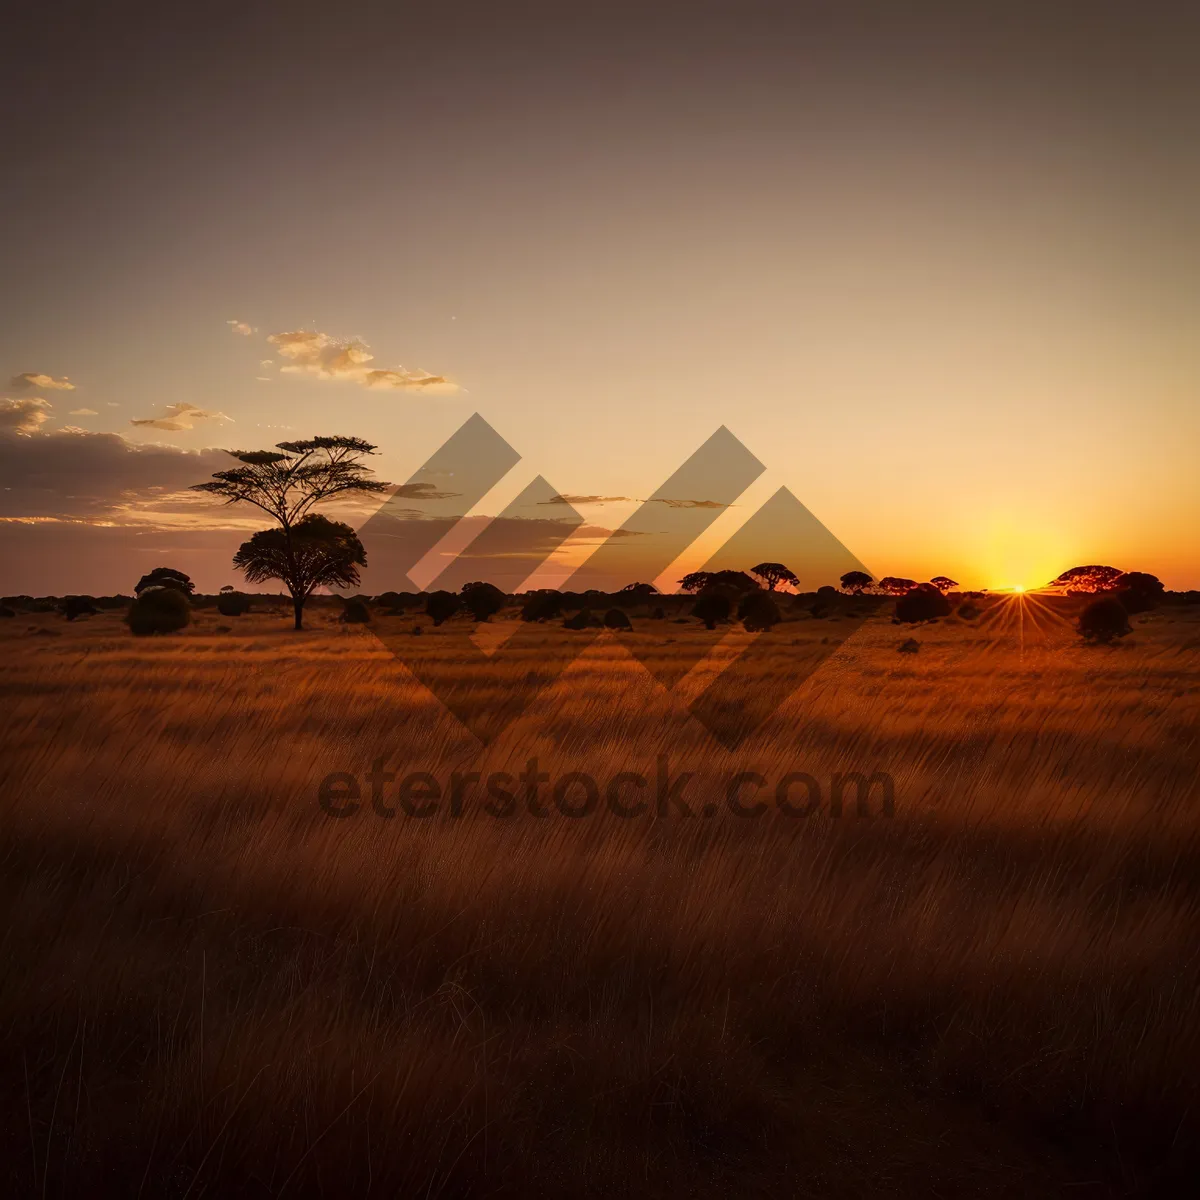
(212, 988)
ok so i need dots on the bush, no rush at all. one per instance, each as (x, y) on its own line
(909, 647)
(158, 610)
(968, 612)
(78, 606)
(441, 606)
(482, 600)
(583, 619)
(758, 612)
(542, 606)
(711, 608)
(165, 577)
(232, 604)
(5, 611)
(1104, 621)
(923, 603)
(355, 612)
(616, 619)
(659, 614)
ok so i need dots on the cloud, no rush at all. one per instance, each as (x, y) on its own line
(180, 416)
(324, 357)
(83, 412)
(691, 503)
(73, 474)
(240, 327)
(32, 381)
(266, 362)
(421, 491)
(574, 500)
(24, 416)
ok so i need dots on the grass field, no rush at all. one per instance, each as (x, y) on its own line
(212, 988)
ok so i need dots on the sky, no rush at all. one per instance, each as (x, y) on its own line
(938, 273)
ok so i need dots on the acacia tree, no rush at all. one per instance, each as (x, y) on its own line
(775, 574)
(895, 585)
(286, 483)
(165, 577)
(315, 552)
(1088, 579)
(855, 581)
(944, 583)
(696, 581)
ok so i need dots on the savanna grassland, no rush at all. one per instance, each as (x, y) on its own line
(212, 988)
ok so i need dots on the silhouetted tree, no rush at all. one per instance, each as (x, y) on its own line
(638, 591)
(78, 606)
(165, 577)
(923, 603)
(1083, 580)
(758, 612)
(712, 607)
(158, 610)
(482, 600)
(736, 582)
(855, 581)
(315, 552)
(1104, 620)
(288, 482)
(896, 585)
(1139, 591)
(355, 612)
(775, 574)
(695, 581)
(944, 583)
(441, 606)
(542, 606)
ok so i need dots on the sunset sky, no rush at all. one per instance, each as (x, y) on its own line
(940, 275)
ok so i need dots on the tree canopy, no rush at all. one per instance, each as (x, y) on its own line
(315, 552)
(288, 481)
(774, 573)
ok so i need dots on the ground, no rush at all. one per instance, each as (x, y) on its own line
(213, 987)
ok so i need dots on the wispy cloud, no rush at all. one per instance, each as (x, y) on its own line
(240, 327)
(179, 416)
(691, 503)
(322, 356)
(579, 500)
(83, 412)
(33, 381)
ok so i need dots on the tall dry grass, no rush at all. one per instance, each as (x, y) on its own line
(212, 988)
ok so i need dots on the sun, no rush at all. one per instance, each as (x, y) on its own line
(1019, 588)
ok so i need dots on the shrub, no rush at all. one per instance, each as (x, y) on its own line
(616, 619)
(158, 610)
(482, 600)
(909, 647)
(5, 611)
(355, 612)
(232, 604)
(441, 606)
(923, 603)
(542, 606)
(1104, 620)
(758, 612)
(659, 614)
(968, 612)
(583, 619)
(1139, 591)
(711, 608)
(78, 606)
(166, 577)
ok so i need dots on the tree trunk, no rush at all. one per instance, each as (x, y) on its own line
(298, 608)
